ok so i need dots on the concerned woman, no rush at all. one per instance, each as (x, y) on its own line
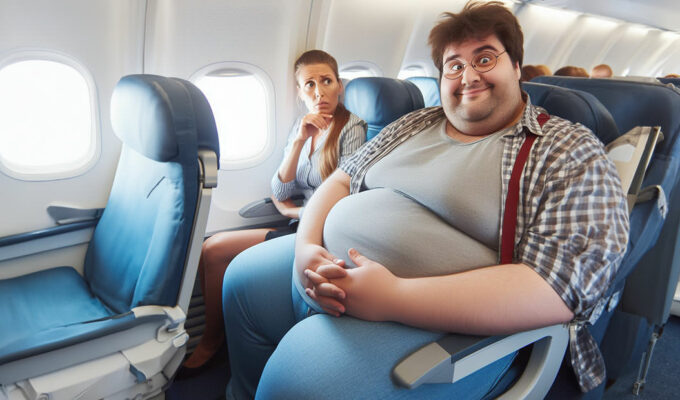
(319, 140)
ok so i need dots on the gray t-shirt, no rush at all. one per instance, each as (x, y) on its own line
(430, 207)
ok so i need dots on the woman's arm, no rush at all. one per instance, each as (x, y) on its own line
(287, 207)
(309, 126)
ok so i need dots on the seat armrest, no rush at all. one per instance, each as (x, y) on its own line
(457, 356)
(265, 207)
(63, 215)
(174, 315)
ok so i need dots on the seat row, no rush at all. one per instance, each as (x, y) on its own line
(78, 329)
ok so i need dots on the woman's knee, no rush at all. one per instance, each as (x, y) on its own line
(214, 249)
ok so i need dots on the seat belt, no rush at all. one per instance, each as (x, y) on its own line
(512, 200)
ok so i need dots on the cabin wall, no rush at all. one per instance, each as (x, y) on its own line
(180, 38)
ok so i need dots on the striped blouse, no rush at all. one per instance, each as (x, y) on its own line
(308, 173)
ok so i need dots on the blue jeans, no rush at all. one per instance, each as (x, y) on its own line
(277, 350)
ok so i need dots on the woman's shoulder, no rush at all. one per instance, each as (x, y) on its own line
(354, 120)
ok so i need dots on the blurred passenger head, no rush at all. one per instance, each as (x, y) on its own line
(476, 21)
(672, 76)
(320, 87)
(529, 72)
(601, 71)
(544, 69)
(570, 70)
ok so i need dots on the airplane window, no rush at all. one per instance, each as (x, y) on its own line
(359, 70)
(239, 101)
(410, 71)
(48, 125)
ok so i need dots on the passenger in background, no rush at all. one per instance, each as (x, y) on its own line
(672, 76)
(570, 70)
(318, 142)
(529, 72)
(601, 71)
(416, 216)
(544, 69)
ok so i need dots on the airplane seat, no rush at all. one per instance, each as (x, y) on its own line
(118, 329)
(429, 87)
(380, 101)
(673, 81)
(532, 375)
(651, 273)
(559, 101)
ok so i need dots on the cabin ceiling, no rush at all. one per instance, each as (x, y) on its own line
(663, 14)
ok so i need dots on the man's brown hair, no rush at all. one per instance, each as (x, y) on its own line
(475, 21)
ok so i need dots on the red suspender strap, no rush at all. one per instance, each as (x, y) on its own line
(512, 200)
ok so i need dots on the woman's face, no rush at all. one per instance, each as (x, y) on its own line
(318, 88)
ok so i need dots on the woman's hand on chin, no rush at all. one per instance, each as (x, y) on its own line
(313, 123)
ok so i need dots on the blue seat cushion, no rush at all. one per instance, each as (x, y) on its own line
(53, 309)
(44, 300)
(380, 101)
(429, 87)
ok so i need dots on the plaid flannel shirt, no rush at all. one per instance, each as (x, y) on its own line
(572, 219)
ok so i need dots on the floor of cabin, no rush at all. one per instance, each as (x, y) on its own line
(662, 381)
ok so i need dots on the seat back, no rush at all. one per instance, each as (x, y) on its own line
(651, 266)
(137, 253)
(673, 81)
(429, 88)
(649, 290)
(575, 106)
(380, 101)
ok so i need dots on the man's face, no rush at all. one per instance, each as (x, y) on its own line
(480, 103)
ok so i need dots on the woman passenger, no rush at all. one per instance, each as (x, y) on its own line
(317, 143)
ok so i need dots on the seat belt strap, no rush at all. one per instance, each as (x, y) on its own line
(512, 200)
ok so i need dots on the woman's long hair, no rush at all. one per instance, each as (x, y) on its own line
(330, 153)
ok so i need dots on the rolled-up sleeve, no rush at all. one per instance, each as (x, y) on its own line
(579, 236)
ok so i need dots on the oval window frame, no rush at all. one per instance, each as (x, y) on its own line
(236, 67)
(355, 66)
(94, 152)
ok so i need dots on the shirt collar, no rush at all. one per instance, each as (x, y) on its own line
(529, 118)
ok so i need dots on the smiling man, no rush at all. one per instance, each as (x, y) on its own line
(423, 217)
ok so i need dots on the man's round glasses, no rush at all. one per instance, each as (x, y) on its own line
(482, 62)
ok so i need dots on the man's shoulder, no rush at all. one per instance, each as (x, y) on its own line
(571, 138)
(569, 131)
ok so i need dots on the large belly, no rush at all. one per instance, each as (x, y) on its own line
(402, 235)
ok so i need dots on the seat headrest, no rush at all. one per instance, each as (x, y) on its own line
(429, 88)
(147, 112)
(380, 101)
(673, 81)
(632, 104)
(575, 106)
